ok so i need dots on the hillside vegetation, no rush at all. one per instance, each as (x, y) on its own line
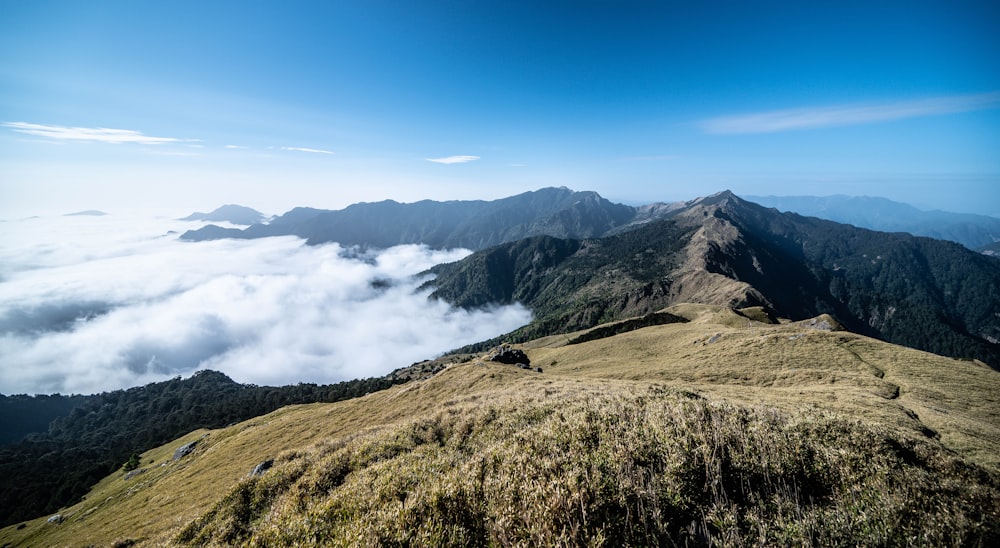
(719, 429)
(84, 438)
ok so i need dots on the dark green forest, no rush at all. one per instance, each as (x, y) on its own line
(21, 414)
(57, 465)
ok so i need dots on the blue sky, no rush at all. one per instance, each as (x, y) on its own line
(192, 104)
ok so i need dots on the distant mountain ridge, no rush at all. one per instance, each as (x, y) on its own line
(972, 231)
(230, 213)
(476, 224)
(919, 292)
(561, 213)
(992, 250)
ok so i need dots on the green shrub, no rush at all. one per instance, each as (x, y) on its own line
(132, 463)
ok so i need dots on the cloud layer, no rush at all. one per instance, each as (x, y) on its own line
(845, 115)
(100, 303)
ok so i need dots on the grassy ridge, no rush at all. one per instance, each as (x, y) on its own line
(560, 463)
(719, 429)
(794, 367)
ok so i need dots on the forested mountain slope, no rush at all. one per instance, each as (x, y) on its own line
(97, 435)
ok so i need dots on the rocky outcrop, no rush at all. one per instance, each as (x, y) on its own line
(133, 473)
(184, 450)
(505, 353)
(261, 468)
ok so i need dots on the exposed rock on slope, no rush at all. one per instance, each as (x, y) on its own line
(509, 355)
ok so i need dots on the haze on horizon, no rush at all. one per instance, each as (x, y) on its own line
(188, 105)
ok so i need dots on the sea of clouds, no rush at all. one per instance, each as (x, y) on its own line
(95, 303)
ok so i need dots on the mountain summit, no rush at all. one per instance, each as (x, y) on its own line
(722, 250)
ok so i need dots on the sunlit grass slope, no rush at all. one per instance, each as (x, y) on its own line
(722, 429)
(794, 366)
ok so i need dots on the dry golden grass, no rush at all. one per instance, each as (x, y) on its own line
(600, 447)
(624, 463)
(793, 367)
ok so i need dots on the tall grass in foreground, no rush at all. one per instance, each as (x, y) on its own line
(564, 464)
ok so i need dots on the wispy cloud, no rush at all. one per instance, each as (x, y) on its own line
(845, 115)
(94, 134)
(453, 159)
(304, 149)
(236, 147)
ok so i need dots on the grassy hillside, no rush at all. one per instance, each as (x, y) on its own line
(720, 428)
(58, 465)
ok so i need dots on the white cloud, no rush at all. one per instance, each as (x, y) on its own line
(453, 159)
(236, 147)
(303, 149)
(844, 115)
(95, 134)
(99, 303)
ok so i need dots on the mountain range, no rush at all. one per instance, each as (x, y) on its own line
(972, 231)
(929, 294)
(474, 224)
(562, 213)
(577, 259)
